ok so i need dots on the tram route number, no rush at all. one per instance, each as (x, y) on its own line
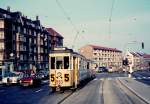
(52, 77)
(66, 77)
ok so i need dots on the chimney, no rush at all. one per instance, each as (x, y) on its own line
(8, 8)
(37, 17)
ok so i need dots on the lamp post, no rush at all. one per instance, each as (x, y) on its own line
(11, 63)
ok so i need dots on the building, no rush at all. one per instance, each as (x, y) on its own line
(145, 60)
(103, 56)
(56, 38)
(24, 43)
(138, 61)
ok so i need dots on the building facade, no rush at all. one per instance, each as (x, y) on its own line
(103, 56)
(24, 43)
(138, 61)
(56, 38)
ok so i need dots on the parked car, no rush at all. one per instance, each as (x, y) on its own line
(102, 69)
(43, 74)
(12, 78)
(30, 80)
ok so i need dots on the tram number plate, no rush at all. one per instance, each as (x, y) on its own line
(59, 82)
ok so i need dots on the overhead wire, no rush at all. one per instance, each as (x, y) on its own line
(110, 19)
(71, 22)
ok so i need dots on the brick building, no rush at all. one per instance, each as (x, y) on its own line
(24, 42)
(56, 38)
(103, 56)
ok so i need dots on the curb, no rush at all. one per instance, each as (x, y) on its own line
(134, 92)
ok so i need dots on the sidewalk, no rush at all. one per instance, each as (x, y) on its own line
(140, 89)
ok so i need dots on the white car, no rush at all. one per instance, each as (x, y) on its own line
(12, 78)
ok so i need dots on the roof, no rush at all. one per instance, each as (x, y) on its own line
(53, 32)
(104, 48)
(135, 54)
(146, 56)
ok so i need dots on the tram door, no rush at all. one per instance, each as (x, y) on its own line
(75, 71)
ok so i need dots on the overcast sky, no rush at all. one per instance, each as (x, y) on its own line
(130, 20)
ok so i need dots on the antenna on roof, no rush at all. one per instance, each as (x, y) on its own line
(8, 8)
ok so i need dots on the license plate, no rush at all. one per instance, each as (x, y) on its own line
(59, 82)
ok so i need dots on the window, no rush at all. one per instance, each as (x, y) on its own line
(19, 29)
(52, 62)
(1, 23)
(66, 62)
(2, 35)
(59, 63)
(14, 28)
(1, 56)
(25, 31)
(21, 57)
(1, 45)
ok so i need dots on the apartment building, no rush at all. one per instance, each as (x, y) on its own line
(103, 56)
(56, 38)
(24, 43)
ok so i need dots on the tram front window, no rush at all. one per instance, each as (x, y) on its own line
(62, 62)
(59, 62)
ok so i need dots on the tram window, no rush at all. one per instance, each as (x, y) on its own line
(88, 65)
(52, 62)
(59, 63)
(66, 62)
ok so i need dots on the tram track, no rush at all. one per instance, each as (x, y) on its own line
(102, 91)
(126, 89)
(65, 98)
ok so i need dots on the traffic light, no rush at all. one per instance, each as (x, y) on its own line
(125, 62)
(142, 45)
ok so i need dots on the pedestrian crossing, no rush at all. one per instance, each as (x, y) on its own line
(140, 77)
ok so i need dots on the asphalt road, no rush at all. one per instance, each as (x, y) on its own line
(142, 76)
(104, 89)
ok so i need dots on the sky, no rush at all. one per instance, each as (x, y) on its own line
(83, 22)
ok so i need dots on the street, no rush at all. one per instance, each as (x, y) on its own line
(106, 88)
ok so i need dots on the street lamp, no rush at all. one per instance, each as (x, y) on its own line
(11, 62)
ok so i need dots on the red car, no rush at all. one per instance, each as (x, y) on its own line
(30, 80)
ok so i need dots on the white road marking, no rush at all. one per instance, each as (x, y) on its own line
(139, 78)
(39, 90)
(95, 79)
(148, 77)
(133, 78)
(45, 81)
(144, 78)
(101, 79)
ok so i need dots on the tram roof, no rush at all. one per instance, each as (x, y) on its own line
(64, 50)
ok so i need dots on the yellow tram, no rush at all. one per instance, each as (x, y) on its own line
(68, 68)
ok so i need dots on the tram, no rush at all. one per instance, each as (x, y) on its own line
(68, 69)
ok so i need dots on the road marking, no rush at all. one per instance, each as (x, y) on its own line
(45, 81)
(101, 79)
(139, 78)
(95, 79)
(148, 77)
(144, 78)
(133, 78)
(39, 90)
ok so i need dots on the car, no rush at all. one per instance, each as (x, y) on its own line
(12, 78)
(30, 80)
(43, 74)
(102, 69)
